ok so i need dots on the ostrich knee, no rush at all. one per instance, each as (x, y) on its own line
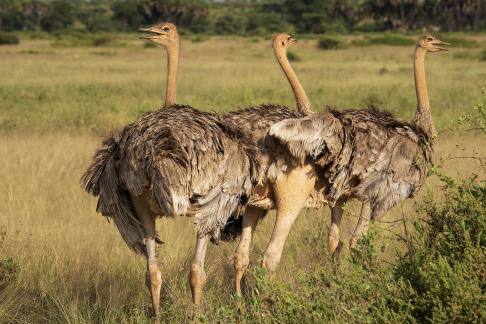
(333, 239)
(242, 254)
(241, 262)
(197, 279)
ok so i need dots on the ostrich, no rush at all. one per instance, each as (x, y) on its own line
(174, 161)
(363, 154)
(273, 193)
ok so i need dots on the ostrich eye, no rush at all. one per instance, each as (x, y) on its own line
(430, 39)
(166, 29)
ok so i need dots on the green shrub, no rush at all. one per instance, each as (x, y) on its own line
(199, 39)
(293, 57)
(102, 41)
(149, 44)
(8, 39)
(228, 25)
(445, 272)
(440, 279)
(391, 40)
(327, 43)
(476, 118)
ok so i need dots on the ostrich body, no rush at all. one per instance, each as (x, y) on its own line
(364, 154)
(294, 189)
(174, 161)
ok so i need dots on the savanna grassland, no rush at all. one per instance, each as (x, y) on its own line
(62, 262)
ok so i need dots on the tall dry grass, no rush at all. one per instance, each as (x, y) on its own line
(74, 267)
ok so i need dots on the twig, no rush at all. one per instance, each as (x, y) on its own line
(409, 243)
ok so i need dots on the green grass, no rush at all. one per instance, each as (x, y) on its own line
(389, 40)
(293, 57)
(9, 39)
(65, 263)
(327, 43)
(81, 89)
(461, 41)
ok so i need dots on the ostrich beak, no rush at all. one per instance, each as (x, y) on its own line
(439, 45)
(153, 30)
(292, 40)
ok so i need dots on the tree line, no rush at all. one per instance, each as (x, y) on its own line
(243, 16)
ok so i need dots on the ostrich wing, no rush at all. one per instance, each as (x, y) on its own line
(312, 136)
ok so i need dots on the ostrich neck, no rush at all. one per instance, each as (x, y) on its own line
(172, 64)
(302, 101)
(423, 115)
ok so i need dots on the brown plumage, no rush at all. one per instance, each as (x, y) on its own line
(364, 154)
(255, 122)
(195, 163)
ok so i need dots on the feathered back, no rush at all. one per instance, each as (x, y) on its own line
(361, 153)
(309, 136)
(191, 162)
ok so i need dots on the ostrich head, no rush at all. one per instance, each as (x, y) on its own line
(431, 44)
(164, 34)
(282, 41)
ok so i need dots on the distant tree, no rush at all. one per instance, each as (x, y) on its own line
(61, 16)
(10, 15)
(200, 25)
(95, 15)
(317, 16)
(458, 15)
(266, 22)
(181, 12)
(34, 12)
(393, 14)
(228, 24)
(127, 15)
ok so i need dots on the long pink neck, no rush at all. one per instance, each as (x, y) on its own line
(423, 115)
(172, 65)
(302, 101)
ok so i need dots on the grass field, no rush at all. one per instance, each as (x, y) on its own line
(71, 265)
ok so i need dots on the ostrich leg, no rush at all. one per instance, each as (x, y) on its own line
(242, 254)
(153, 278)
(363, 223)
(197, 276)
(334, 244)
(291, 192)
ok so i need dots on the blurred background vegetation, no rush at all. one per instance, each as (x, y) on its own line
(244, 17)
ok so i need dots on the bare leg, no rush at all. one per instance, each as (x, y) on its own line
(334, 244)
(153, 278)
(197, 276)
(363, 223)
(291, 191)
(242, 254)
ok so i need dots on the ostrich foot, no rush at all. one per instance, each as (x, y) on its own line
(153, 280)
